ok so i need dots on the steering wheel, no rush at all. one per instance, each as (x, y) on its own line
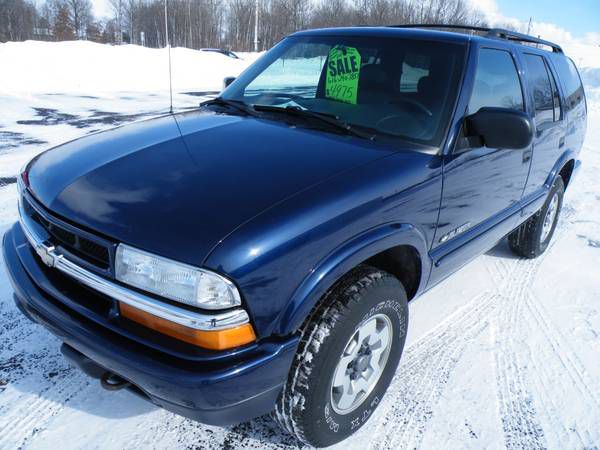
(418, 105)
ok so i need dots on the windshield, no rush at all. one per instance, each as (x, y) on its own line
(392, 87)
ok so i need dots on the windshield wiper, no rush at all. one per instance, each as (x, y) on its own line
(236, 104)
(330, 119)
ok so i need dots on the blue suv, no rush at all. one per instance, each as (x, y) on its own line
(259, 253)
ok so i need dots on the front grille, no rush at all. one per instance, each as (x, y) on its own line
(74, 243)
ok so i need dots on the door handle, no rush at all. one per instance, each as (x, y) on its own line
(561, 142)
(527, 156)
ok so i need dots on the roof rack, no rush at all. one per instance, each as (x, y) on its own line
(498, 33)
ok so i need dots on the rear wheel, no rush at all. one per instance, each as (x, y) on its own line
(531, 239)
(349, 351)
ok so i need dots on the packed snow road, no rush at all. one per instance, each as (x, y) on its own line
(504, 354)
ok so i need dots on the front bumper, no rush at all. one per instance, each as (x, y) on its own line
(212, 388)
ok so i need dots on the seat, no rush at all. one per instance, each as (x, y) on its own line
(374, 85)
(430, 91)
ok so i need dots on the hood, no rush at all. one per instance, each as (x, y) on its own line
(177, 185)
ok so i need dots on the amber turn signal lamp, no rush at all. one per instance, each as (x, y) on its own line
(213, 340)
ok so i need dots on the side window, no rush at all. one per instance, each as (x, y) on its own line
(538, 81)
(414, 68)
(496, 82)
(569, 78)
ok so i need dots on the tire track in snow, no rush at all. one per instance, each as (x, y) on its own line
(518, 416)
(499, 269)
(424, 372)
(37, 382)
(27, 416)
(567, 356)
(573, 379)
(545, 390)
(167, 430)
(520, 421)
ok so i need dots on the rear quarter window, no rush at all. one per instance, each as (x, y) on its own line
(569, 78)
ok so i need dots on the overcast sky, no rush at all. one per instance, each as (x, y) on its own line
(101, 8)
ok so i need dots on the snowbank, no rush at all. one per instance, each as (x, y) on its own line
(591, 80)
(587, 59)
(77, 67)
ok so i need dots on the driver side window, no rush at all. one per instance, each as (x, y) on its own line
(496, 82)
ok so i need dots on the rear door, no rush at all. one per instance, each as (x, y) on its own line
(482, 186)
(549, 139)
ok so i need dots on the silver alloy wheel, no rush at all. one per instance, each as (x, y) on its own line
(361, 364)
(549, 218)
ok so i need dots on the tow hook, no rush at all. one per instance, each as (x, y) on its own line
(112, 382)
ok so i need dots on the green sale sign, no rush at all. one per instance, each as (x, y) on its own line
(343, 71)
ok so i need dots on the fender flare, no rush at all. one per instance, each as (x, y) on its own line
(343, 259)
(566, 156)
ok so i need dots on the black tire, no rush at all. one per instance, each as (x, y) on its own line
(305, 407)
(527, 240)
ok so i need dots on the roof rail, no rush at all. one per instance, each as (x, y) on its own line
(520, 37)
(498, 33)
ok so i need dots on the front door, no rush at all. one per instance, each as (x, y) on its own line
(482, 186)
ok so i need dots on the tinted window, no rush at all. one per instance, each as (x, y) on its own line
(539, 85)
(496, 82)
(569, 77)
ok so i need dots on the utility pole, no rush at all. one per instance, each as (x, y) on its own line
(529, 26)
(256, 26)
(169, 52)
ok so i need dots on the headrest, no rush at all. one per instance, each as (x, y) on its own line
(373, 76)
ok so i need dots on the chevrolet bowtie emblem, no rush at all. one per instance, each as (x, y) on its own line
(46, 254)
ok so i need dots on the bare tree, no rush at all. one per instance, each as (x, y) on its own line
(80, 15)
(219, 23)
(17, 20)
(63, 29)
(117, 8)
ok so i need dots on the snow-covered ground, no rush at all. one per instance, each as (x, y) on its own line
(505, 353)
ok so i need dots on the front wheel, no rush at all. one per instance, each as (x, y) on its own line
(531, 239)
(349, 351)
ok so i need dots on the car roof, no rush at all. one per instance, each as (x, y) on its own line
(410, 33)
(386, 32)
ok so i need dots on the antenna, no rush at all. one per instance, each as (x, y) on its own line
(169, 52)
(256, 26)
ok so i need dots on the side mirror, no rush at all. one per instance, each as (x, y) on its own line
(500, 128)
(227, 81)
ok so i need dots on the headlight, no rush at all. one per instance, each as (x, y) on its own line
(175, 281)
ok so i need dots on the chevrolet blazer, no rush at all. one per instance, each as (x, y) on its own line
(258, 254)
